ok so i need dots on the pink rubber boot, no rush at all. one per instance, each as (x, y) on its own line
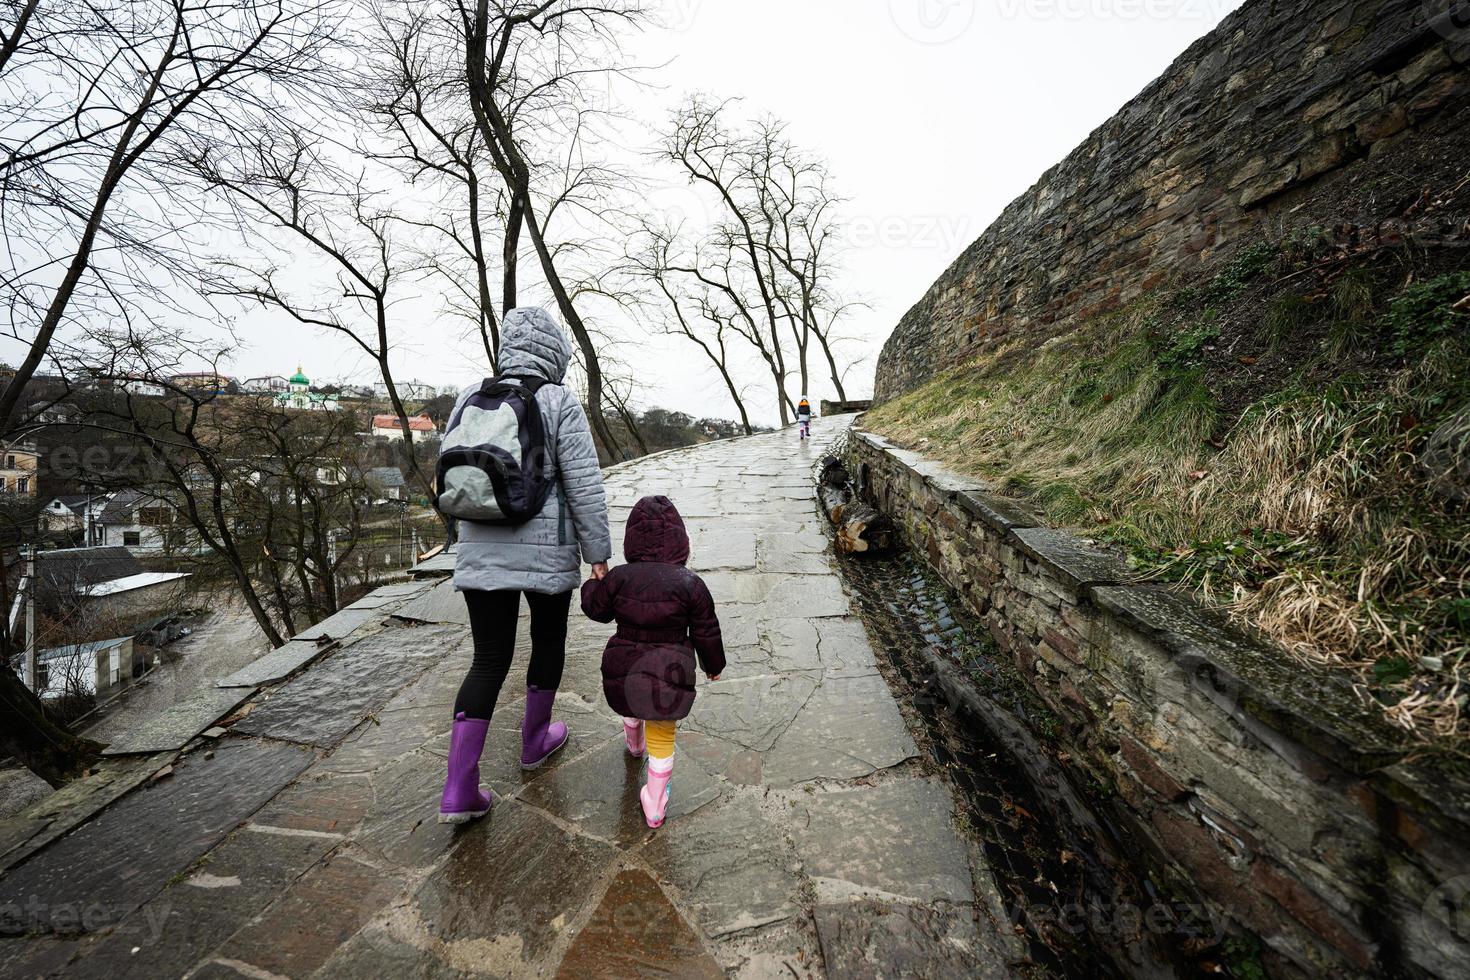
(655, 793)
(633, 735)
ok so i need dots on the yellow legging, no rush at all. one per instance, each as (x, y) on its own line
(660, 738)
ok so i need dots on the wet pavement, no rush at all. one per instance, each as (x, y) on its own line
(295, 836)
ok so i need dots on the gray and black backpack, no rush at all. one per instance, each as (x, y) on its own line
(492, 464)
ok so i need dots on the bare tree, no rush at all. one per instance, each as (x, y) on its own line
(95, 101)
(527, 63)
(768, 260)
(278, 179)
(415, 95)
(261, 490)
(696, 314)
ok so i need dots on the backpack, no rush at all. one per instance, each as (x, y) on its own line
(492, 463)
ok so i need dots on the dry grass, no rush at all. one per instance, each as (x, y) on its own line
(1315, 521)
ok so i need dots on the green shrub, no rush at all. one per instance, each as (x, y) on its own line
(1424, 313)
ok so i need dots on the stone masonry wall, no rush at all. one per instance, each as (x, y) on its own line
(1285, 802)
(1272, 115)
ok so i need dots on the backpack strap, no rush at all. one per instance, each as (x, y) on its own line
(531, 383)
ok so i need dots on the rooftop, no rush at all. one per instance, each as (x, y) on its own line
(417, 423)
(130, 583)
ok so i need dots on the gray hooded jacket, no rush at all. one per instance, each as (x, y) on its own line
(542, 555)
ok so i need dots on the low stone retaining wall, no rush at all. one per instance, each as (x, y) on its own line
(1263, 783)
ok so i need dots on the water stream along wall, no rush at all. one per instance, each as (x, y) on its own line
(1062, 871)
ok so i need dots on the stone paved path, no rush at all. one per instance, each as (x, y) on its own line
(805, 837)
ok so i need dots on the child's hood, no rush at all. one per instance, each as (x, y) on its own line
(656, 533)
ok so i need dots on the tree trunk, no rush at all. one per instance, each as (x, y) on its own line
(489, 327)
(513, 224)
(832, 364)
(28, 732)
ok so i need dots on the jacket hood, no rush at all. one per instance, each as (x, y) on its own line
(656, 533)
(532, 343)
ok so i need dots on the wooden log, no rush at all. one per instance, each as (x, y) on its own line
(834, 501)
(861, 529)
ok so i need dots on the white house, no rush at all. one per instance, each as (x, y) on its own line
(421, 427)
(411, 390)
(138, 522)
(99, 668)
(270, 384)
(73, 512)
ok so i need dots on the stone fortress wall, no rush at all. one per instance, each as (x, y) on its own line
(1284, 100)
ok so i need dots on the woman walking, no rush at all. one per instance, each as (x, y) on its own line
(542, 558)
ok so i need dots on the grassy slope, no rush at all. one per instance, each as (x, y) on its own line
(1261, 436)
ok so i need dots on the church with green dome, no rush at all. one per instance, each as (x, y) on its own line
(299, 397)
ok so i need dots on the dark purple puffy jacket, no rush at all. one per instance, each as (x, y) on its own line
(665, 618)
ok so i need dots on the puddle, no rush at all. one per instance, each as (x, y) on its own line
(1060, 866)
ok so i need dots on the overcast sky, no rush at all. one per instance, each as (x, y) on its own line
(933, 115)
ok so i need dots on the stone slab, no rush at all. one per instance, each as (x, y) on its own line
(893, 840)
(322, 705)
(440, 564)
(277, 665)
(173, 931)
(752, 711)
(500, 902)
(338, 626)
(998, 512)
(873, 940)
(849, 727)
(179, 724)
(399, 826)
(1075, 560)
(637, 932)
(440, 604)
(732, 868)
(387, 595)
(73, 804)
(312, 917)
(129, 852)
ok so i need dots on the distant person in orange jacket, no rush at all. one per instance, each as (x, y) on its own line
(804, 418)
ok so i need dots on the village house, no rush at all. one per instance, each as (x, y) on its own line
(204, 382)
(99, 669)
(386, 483)
(421, 427)
(140, 523)
(69, 512)
(18, 471)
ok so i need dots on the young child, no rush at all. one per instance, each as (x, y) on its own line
(666, 618)
(804, 418)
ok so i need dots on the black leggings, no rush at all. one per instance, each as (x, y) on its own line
(493, 620)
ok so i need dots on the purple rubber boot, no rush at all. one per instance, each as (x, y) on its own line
(540, 736)
(463, 800)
